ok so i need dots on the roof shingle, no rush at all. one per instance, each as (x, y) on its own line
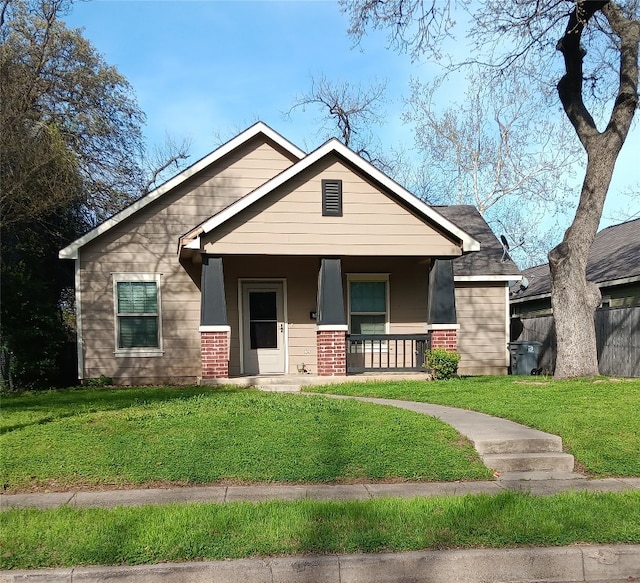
(487, 261)
(615, 254)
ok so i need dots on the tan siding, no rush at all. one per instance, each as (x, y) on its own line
(289, 221)
(482, 338)
(147, 242)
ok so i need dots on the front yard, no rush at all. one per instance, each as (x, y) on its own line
(106, 438)
(89, 438)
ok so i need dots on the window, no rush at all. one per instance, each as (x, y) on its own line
(368, 304)
(137, 311)
(332, 198)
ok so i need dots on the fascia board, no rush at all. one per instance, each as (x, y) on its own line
(333, 145)
(541, 296)
(487, 278)
(71, 251)
(620, 281)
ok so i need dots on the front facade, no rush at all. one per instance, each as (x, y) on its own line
(261, 260)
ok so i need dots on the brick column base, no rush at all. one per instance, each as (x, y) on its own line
(332, 353)
(214, 350)
(447, 339)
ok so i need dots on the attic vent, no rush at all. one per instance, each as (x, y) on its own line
(332, 198)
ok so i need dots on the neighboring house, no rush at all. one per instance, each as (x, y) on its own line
(260, 259)
(614, 265)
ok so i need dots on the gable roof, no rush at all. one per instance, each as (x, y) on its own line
(191, 240)
(489, 262)
(71, 251)
(614, 258)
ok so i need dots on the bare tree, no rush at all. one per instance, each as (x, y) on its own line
(601, 83)
(494, 149)
(348, 112)
(162, 162)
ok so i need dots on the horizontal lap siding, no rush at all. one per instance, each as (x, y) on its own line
(482, 338)
(290, 221)
(147, 242)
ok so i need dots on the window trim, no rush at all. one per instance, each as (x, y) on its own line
(146, 351)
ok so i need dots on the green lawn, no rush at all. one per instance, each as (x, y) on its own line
(186, 532)
(598, 420)
(99, 437)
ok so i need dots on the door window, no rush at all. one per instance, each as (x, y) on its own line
(263, 319)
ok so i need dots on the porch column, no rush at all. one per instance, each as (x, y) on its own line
(331, 320)
(214, 327)
(441, 308)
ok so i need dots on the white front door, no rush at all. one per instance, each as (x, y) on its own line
(263, 327)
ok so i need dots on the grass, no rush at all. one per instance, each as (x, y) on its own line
(129, 437)
(71, 536)
(598, 419)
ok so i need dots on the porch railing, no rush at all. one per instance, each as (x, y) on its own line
(386, 352)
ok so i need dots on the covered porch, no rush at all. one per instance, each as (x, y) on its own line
(312, 317)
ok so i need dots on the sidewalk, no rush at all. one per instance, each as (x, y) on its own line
(596, 563)
(221, 494)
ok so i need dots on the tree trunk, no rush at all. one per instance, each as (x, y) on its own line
(573, 298)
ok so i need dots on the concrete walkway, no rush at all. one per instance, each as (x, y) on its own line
(514, 451)
(495, 439)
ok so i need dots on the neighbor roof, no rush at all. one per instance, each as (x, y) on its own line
(614, 259)
(71, 251)
(191, 240)
(491, 261)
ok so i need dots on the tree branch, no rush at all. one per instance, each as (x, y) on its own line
(570, 85)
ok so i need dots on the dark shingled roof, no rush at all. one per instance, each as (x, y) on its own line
(487, 261)
(615, 254)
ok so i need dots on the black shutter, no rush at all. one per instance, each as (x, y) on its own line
(332, 198)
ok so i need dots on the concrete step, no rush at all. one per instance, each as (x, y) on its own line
(279, 388)
(511, 444)
(529, 462)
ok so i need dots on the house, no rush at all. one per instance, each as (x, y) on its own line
(263, 260)
(614, 265)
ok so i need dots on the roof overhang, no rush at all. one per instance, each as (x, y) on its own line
(488, 277)
(192, 239)
(71, 251)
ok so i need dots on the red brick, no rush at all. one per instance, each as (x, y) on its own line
(214, 355)
(332, 356)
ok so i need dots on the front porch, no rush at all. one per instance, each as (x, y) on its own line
(328, 317)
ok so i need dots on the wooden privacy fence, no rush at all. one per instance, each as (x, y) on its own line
(617, 338)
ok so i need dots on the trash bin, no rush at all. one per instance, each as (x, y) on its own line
(524, 357)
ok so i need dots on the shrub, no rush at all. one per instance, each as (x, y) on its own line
(443, 364)
(101, 381)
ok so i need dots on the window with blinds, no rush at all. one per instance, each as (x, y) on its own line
(137, 311)
(332, 198)
(368, 307)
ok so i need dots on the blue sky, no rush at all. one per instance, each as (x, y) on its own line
(205, 69)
